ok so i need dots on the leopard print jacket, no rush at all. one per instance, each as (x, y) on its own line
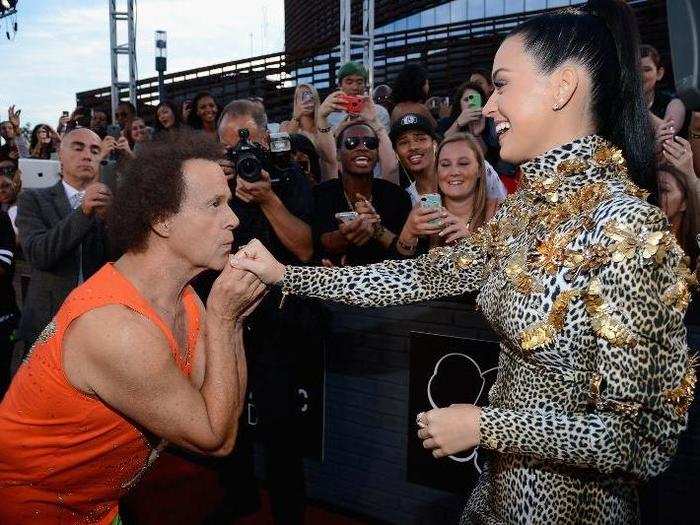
(586, 288)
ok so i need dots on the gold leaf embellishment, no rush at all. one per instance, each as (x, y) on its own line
(682, 396)
(516, 271)
(610, 157)
(604, 324)
(572, 166)
(542, 333)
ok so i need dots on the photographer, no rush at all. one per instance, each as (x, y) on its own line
(277, 210)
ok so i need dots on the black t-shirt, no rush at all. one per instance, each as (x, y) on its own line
(8, 304)
(391, 203)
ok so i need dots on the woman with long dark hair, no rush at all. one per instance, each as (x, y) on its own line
(580, 277)
(204, 113)
(44, 142)
(167, 117)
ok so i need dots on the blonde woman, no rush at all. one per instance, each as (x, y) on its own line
(461, 180)
(306, 103)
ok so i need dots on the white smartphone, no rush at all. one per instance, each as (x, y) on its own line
(346, 216)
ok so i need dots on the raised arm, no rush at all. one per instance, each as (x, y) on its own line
(643, 385)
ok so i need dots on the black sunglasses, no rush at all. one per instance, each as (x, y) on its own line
(351, 143)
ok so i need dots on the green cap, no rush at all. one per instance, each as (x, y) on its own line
(352, 68)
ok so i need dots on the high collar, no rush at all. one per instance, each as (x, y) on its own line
(565, 169)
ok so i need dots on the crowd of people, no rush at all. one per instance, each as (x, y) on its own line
(361, 178)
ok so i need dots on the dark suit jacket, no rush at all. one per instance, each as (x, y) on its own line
(51, 233)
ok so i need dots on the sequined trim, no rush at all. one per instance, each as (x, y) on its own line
(543, 332)
(597, 402)
(681, 397)
(604, 324)
(47, 333)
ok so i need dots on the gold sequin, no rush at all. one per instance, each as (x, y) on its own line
(596, 401)
(604, 324)
(516, 271)
(464, 261)
(542, 333)
(552, 253)
(571, 166)
(609, 157)
(682, 396)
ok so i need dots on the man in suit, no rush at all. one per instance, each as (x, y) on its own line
(62, 231)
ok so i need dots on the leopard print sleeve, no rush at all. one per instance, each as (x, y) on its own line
(642, 387)
(442, 272)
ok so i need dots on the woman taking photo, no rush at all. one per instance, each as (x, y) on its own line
(467, 115)
(204, 113)
(461, 181)
(577, 273)
(45, 142)
(306, 104)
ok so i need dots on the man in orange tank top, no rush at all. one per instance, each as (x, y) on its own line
(132, 359)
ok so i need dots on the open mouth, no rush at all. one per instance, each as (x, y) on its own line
(415, 159)
(361, 161)
(455, 182)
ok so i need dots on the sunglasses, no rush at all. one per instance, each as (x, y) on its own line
(351, 143)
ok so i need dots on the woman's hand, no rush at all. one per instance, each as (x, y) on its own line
(477, 127)
(468, 116)
(423, 221)
(447, 431)
(455, 228)
(678, 154)
(662, 133)
(255, 258)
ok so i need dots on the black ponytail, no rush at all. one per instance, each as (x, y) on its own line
(603, 37)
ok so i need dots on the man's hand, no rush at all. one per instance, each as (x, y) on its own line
(255, 258)
(107, 146)
(13, 117)
(447, 431)
(258, 192)
(235, 294)
(359, 231)
(369, 112)
(97, 200)
(332, 103)
(122, 145)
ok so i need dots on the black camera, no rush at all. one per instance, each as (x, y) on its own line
(250, 158)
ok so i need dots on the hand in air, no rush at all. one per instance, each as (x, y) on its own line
(255, 258)
(447, 431)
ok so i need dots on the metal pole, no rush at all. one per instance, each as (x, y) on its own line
(113, 54)
(368, 31)
(132, 52)
(345, 31)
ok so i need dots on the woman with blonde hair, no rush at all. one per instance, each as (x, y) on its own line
(461, 178)
(306, 104)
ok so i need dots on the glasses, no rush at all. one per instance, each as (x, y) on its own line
(351, 143)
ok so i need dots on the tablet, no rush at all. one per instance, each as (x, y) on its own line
(38, 173)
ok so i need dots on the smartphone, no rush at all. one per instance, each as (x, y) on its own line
(446, 101)
(432, 202)
(114, 131)
(353, 104)
(306, 96)
(474, 101)
(346, 216)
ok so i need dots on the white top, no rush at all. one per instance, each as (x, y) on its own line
(75, 197)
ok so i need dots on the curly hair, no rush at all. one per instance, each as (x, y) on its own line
(409, 83)
(152, 187)
(194, 120)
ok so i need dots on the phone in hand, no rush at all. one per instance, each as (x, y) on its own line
(346, 216)
(432, 202)
(114, 131)
(306, 96)
(353, 104)
(474, 101)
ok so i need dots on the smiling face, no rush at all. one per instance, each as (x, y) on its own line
(361, 159)
(206, 109)
(457, 170)
(521, 104)
(416, 151)
(139, 131)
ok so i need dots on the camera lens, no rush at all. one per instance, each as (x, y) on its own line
(248, 168)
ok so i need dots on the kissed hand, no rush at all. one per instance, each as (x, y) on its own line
(255, 258)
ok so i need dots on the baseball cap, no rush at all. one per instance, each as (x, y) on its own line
(411, 122)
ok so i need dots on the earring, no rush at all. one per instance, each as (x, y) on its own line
(555, 107)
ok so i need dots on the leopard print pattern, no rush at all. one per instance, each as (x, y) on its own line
(574, 274)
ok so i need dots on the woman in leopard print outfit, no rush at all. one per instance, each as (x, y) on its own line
(578, 274)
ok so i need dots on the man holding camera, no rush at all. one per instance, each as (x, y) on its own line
(274, 204)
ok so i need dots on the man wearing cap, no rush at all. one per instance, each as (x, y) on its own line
(415, 143)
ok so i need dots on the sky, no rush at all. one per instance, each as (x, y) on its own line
(62, 46)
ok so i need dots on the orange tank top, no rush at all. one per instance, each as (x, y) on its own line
(66, 457)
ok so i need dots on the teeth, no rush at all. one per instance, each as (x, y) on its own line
(502, 127)
(456, 182)
(415, 158)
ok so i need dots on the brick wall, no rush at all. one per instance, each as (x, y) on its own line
(364, 470)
